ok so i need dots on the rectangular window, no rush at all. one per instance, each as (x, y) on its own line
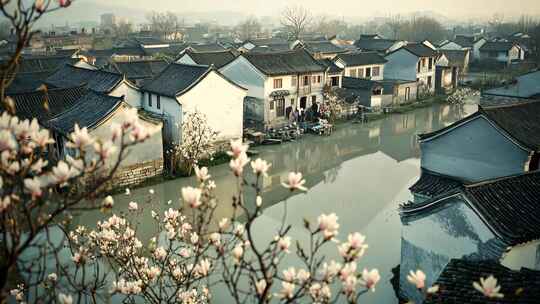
(306, 80)
(314, 79)
(313, 99)
(292, 102)
(407, 93)
(319, 79)
(335, 81)
(361, 73)
(352, 73)
(430, 66)
(429, 81)
(278, 83)
(280, 107)
(293, 81)
(418, 66)
(376, 71)
(158, 101)
(368, 72)
(423, 62)
(149, 99)
(271, 105)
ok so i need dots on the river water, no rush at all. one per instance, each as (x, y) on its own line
(361, 172)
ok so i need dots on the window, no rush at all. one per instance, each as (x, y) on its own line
(313, 99)
(423, 62)
(368, 72)
(158, 102)
(278, 83)
(377, 91)
(430, 65)
(293, 81)
(418, 66)
(306, 81)
(360, 73)
(319, 79)
(314, 79)
(335, 81)
(407, 93)
(280, 107)
(429, 81)
(149, 99)
(352, 73)
(292, 102)
(271, 105)
(376, 71)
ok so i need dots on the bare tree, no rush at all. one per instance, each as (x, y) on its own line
(4, 29)
(394, 24)
(166, 23)
(329, 27)
(296, 19)
(249, 28)
(122, 29)
(496, 22)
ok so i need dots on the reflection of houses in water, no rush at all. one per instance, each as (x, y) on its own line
(458, 276)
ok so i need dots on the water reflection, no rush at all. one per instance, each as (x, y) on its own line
(361, 173)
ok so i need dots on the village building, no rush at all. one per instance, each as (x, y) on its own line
(523, 86)
(97, 111)
(458, 276)
(451, 66)
(137, 72)
(333, 74)
(413, 61)
(110, 83)
(502, 51)
(218, 58)
(376, 43)
(277, 83)
(493, 142)
(264, 44)
(322, 49)
(181, 89)
(368, 93)
(403, 91)
(465, 42)
(366, 65)
(492, 220)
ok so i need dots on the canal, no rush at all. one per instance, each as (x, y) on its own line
(361, 172)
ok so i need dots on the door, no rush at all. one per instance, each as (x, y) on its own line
(303, 102)
(280, 107)
(407, 93)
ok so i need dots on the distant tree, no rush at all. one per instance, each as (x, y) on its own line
(422, 28)
(249, 28)
(329, 27)
(122, 29)
(296, 19)
(165, 23)
(495, 22)
(5, 27)
(394, 25)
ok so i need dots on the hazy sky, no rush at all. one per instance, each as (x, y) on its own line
(348, 8)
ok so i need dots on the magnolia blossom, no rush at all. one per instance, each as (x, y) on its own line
(258, 201)
(203, 268)
(417, 278)
(328, 225)
(330, 270)
(287, 290)
(237, 148)
(433, 289)
(194, 238)
(42, 138)
(105, 149)
(133, 206)
(192, 196)
(223, 224)
(126, 287)
(80, 138)
(52, 277)
(237, 164)
(215, 238)
(260, 167)
(349, 284)
(184, 253)
(160, 253)
(370, 278)
(237, 253)
(289, 274)
(108, 202)
(488, 286)
(202, 174)
(284, 243)
(303, 275)
(348, 270)
(295, 182)
(7, 141)
(62, 172)
(33, 185)
(239, 229)
(65, 299)
(260, 286)
(38, 166)
(4, 203)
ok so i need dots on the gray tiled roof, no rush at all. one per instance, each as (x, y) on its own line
(464, 40)
(30, 105)
(525, 86)
(211, 47)
(142, 69)
(330, 65)
(456, 283)
(218, 59)
(420, 50)
(325, 47)
(175, 79)
(361, 58)
(285, 63)
(359, 83)
(455, 57)
(379, 45)
(88, 111)
(496, 46)
(433, 184)
(97, 80)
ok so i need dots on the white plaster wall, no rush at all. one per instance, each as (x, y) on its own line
(131, 95)
(381, 71)
(172, 112)
(185, 59)
(401, 65)
(221, 102)
(526, 255)
(245, 74)
(451, 46)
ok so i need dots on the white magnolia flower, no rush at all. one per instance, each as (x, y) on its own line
(347, 270)
(260, 167)
(192, 196)
(80, 138)
(370, 278)
(237, 148)
(328, 224)
(133, 206)
(7, 141)
(417, 278)
(433, 289)
(295, 182)
(284, 243)
(52, 277)
(160, 253)
(65, 299)
(194, 238)
(349, 284)
(258, 201)
(303, 275)
(33, 185)
(488, 286)
(215, 238)
(239, 230)
(260, 286)
(108, 202)
(62, 172)
(237, 253)
(202, 174)
(204, 267)
(105, 149)
(289, 274)
(237, 164)
(223, 224)
(287, 290)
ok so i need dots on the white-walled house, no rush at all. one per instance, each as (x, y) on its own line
(110, 83)
(367, 65)
(277, 83)
(494, 220)
(413, 61)
(502, 51)
(183, 88)
(465, 42)
(218, 59)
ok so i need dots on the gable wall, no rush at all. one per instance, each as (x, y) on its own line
(401, 65)
(131, 95)
(245, 74)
